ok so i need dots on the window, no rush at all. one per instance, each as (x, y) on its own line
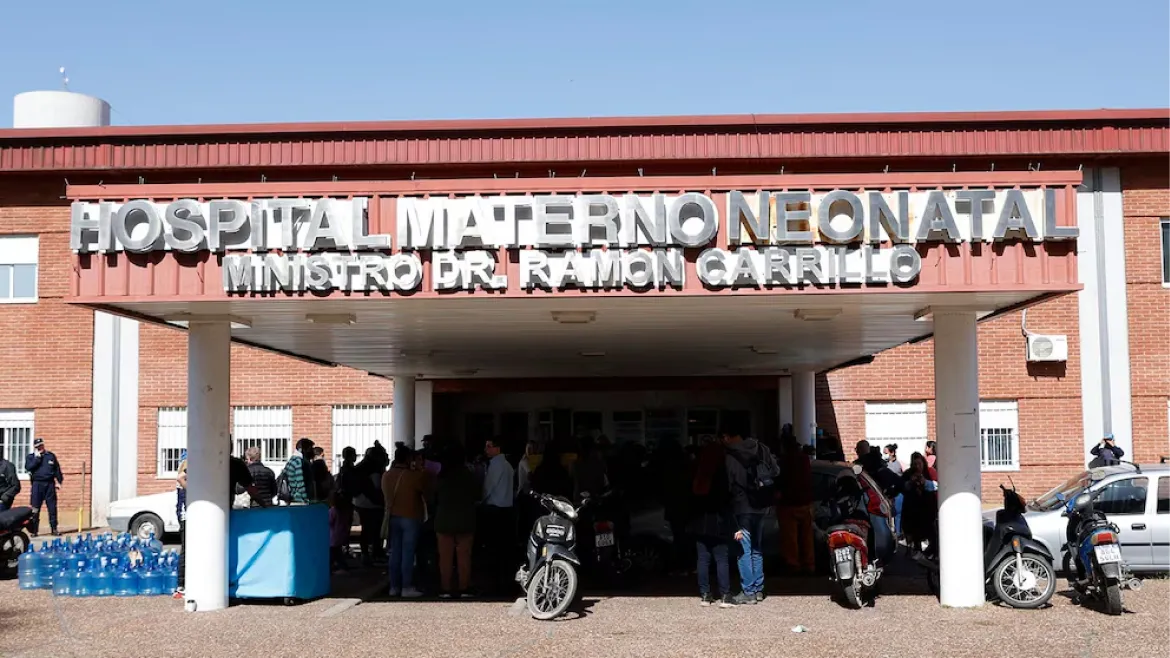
(18, 269)
(1166, 251)
(172, 440)
(628, 427)
(357, 427)
(1164, 495)
(16, 435)
(999, 435)
(900, 423)
(1126, 496)
(267, 428)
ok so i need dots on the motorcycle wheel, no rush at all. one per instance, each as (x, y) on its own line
(1005, 580)
(10, 551)
(1113, 599)
(550, 601)
(852, 591)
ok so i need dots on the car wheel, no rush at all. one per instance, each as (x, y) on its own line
(146, 524)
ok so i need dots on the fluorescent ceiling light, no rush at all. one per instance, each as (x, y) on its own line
(764, 351)
(466, 373)
(185, 319)
(817, 314)
(574, 317)
(592, 353)
(331, 318)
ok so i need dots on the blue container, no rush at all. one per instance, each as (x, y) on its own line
(102, 580)
(154, 546)
(279, 552)
(63, 582)
(172, 572)
(151, 582)
(82, 583)
(126, 581)
(28, 569)
(50, 562)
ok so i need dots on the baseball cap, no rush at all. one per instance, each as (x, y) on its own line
(1109, 437)
(37, 442)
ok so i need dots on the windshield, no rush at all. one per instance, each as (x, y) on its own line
(1060, 494)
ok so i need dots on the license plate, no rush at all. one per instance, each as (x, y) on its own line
(1108, 553)
(604, 539)
(843, 554)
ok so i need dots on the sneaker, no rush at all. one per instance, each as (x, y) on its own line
(467, 595)
(706, 600)
(728, 601)
(445, 595)
(178, 594)
(760, 596)
(744, 599)
(395, 593)
(411, 593)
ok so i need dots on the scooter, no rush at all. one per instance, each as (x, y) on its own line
(549, 578)
(13, 539)
(1017, 569)
(1093, 555)
(601, 529)
(854, 569)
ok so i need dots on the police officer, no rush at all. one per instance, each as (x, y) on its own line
(45, 473)
(9, 483)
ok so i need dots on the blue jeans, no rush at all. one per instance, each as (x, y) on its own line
(751, 558)
(898, 514)
(403, 539)
(705, 551)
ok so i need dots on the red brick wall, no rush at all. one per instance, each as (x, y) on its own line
(1048, 397)
(42, 345)
(258, 378)
(1145, 202)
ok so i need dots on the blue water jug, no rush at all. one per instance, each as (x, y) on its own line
(28, 569)
(63, 582)
(126, 581)
(102, 580)
(154, 545)
(50, 562)
(151, 581)
(172, 573)
(82, 583)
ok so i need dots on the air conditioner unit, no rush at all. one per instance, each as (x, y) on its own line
(1047, 347)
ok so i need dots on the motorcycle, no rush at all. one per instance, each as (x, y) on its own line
(549, 578)
(1018, 570)
(1092, 556)
(13, 539)
(600, 530)
(854, 568)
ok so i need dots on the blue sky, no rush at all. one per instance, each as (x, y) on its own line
(231, 61)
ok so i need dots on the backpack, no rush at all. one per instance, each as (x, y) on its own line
(761, 479)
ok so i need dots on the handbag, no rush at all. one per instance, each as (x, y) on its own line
(283, 490)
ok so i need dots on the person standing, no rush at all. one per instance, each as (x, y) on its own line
(1106, 453)
(456, 494)
(370, 503)
(262, 476)
(181, 513)
(711, 525)
(794, 510)
(45, 473)
(9, 483)
(499, 522)
(931, 456)
(751, 471)
(404, 490)
(891, 457)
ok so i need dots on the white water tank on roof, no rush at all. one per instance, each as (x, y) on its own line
(59, 109)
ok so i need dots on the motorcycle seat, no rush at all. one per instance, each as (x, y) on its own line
(14, 518)
(845, 527)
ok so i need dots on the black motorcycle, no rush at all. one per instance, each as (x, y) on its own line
(1018, 569)
(549, 578)
(1092, 556)
(13, 539)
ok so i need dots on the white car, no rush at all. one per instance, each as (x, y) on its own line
(143, 515)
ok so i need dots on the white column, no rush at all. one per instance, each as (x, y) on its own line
(956, 399)
(114, 413)
(804, 406)
(784, 401)
(402, 411)
(208, 438)
(424, 393)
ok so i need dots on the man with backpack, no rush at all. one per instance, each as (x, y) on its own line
(751, 474)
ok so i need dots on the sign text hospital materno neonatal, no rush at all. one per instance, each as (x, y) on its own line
(599, 241)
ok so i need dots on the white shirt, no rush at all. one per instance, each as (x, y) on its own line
(497, 484)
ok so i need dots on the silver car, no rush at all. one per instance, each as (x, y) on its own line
(1135, 498)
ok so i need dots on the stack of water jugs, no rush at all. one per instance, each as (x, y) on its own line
(104, 566)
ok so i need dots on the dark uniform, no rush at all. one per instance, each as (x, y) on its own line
(9, 483)
(44, 472)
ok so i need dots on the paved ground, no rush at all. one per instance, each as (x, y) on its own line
(905, 623)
